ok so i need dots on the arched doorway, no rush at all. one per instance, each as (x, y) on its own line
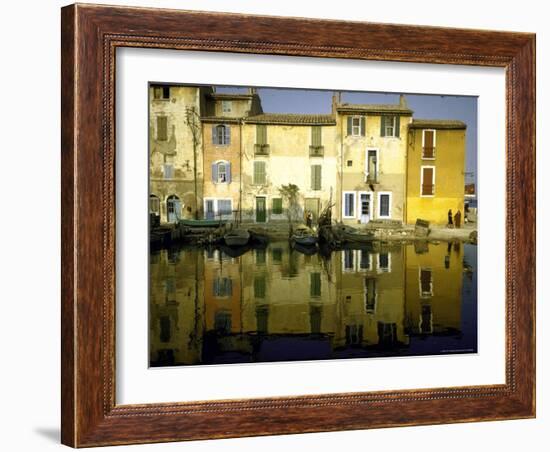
(173, 209)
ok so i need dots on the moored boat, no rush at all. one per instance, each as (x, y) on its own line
(304, 236)
(237, 237)
(203, 223)
(346, 233)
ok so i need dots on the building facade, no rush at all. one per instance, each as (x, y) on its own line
(373, 149)
(219, 156)
(175, 151)
(435, 170)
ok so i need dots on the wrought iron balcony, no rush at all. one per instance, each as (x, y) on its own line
(261, 149)
(316, 151)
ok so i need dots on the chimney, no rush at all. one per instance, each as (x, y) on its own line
(403, 101)
(336, 99)
(252, 91)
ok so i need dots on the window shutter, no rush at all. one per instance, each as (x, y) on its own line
(214, 172)
(397, 125)
(227, 133)
(382, 126)
(228, 172)
(259, 172)
(427, 181)
(214, 135)
(261, 134)
(362, 126)
(316, 136)
(349, 125)
(162, 128)
(316, 177)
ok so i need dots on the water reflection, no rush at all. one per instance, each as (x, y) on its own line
(211, 306)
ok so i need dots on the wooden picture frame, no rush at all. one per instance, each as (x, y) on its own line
(90, 36)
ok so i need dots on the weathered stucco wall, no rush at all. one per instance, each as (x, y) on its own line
(391, 165)
(177, 150)
(288, 161)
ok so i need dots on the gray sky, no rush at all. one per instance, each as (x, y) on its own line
(425, 106)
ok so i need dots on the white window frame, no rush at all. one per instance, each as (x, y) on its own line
(220, 140)
(424, 294)
(358, 263)
(422, 180)
(216, 207)
(225, 163)
(358, 134)
(379, 204)
(367, 162)
(227, 106)
(354, 193)
(370, 195)
(353, 268)
(379, 268)
(393, 126)
(423, 141)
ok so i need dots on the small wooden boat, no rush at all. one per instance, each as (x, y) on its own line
(304, 236)
(237, 237)
(202, 223)
(348, 234)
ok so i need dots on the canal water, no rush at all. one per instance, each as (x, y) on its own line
(223, 306)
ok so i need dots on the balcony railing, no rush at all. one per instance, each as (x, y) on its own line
(261, 149)
(316, 151)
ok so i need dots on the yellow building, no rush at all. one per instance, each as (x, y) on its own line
(282, 149)
(435, 170)
(434, 279)
(372, 141)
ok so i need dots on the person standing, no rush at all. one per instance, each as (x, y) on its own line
(458, 215)
(450, 219)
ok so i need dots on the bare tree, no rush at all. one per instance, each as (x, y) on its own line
(290, 194)
(192, 120)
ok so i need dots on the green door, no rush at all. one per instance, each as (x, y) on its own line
(260, 209)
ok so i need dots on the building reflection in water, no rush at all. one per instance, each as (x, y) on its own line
(277, 304)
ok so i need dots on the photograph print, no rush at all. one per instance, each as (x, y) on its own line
(297, 225)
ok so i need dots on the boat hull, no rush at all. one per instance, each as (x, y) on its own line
(306, 241)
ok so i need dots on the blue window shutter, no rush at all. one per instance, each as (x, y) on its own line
(349, 125)
(227, 131)
(214, 172)
(362, 126)
(214, 135)
(228, 172)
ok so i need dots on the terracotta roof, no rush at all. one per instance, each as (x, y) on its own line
(374, 108)
(291, 119)
(231, 96)
(221, 119)
(436, 124)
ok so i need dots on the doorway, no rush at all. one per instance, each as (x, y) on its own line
(365, 207)
(173, 209)
(260, 209)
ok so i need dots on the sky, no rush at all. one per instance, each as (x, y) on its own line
(425, 106)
